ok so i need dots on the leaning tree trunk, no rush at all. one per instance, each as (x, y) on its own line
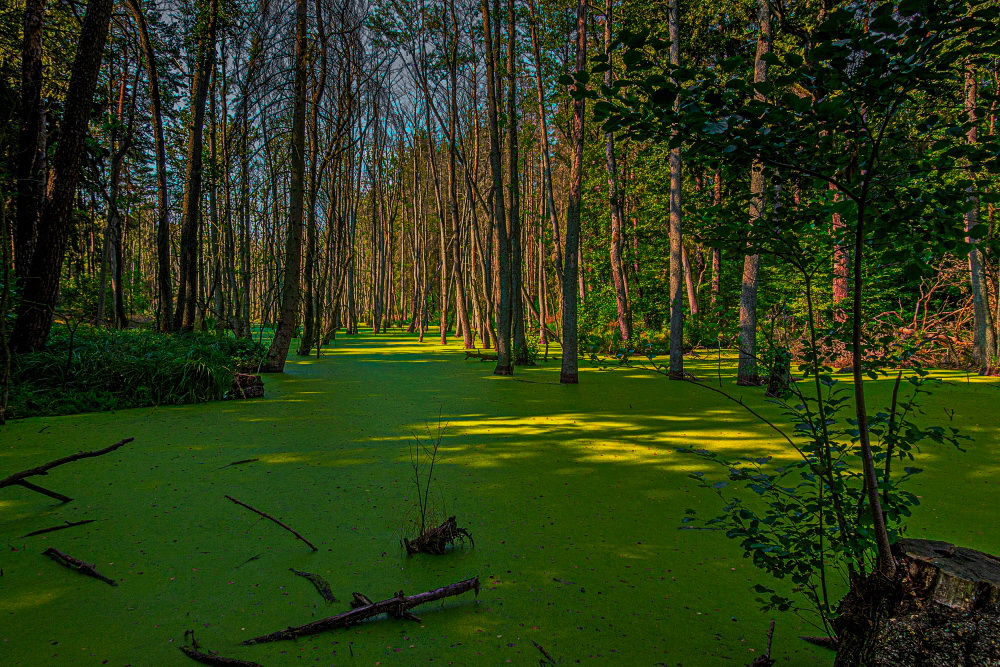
(941, 608)
(291, 292)
(41, 285)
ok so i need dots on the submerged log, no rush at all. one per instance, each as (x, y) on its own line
(482, 356)
(942, 609)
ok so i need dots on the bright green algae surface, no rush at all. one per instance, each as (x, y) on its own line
(574, 495)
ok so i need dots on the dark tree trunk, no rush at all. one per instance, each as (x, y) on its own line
(165, 305)
(187, 290)
(291, 292)
(569, 373)
(31, 153)
(41, 285)
(676, 227)
(746, 373)
(503, 338)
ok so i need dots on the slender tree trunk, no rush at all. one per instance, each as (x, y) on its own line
(504, 320)
(520, 351)
(570, 363)
(187, 290)
(746, 374)
(41, 284)
(984, 344)
(291, 290)
(31, 140)
(676, 227)
(164, 306)
(615, 203)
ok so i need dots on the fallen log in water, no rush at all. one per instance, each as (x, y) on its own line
(397, 606)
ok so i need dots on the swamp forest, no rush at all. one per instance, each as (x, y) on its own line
(476, 332)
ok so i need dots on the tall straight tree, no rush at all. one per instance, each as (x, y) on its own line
(31, 142)
(570, 363)
(676, 226)
(984, 336)
(520, 352)
(164, 307)
(615, 202)
(504, 363)
(187, 289)
(41, 282)
(746, 373)
(291, 290)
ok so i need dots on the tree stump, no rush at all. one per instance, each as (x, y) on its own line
(246, 385)
(942, 609)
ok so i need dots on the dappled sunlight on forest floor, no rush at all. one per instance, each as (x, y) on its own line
(574, 495)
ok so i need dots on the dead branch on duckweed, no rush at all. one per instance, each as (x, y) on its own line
(238, 463)
(268, 516)
(321, 584)
(211, 657)
(482, 356)
(436, 540)
(68, 524)
(72, 563)
(765, 660)
(397, 606)
(19, 478)
(547, 659)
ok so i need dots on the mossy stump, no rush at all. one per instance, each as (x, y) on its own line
(942, 609)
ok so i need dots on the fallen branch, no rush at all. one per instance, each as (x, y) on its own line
(19, 478)
(211, 657)
(482, 356)
(321, 584)
(83, 568)
(765, 660)
(68, 524)
(238, 463)
(268, 516)
(397, 606)
(546, 659)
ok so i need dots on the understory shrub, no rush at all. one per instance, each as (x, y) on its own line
(93, 369)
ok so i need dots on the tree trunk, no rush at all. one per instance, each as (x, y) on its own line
(984, 345)
(503, 340)
(164, 307)
(570, 363)
(676, 228)
(41, 285)
(187, 289)
(747, 371)
(31, 140)
(615, 204)
(291, 291)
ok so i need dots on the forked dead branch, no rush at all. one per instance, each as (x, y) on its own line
(398, 606)
(20, 478)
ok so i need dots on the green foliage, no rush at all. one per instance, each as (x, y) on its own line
(94, 369)
(808, 520)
